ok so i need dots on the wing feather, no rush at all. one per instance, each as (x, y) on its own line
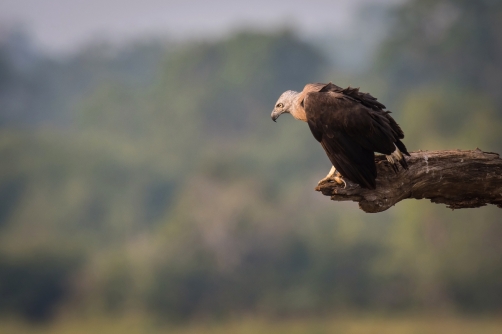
(369, 101)
(350, 132)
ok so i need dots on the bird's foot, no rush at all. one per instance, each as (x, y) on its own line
(333, 178)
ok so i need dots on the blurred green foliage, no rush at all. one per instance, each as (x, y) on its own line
(152, 180)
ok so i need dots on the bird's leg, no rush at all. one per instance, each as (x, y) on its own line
(335, 176)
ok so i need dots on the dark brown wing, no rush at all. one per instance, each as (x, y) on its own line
(369, 101)
(366, 99)
(350, 133)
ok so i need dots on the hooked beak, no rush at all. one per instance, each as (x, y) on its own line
(275, 114)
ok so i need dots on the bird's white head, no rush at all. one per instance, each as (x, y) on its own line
(285, 104)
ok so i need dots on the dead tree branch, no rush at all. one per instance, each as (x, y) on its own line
(459, 179)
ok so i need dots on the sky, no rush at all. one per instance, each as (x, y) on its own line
(64, 25)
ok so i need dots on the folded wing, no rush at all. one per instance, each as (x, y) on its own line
(351, 130)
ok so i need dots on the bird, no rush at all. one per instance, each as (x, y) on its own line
(351, 126)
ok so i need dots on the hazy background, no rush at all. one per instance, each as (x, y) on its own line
(144, 188)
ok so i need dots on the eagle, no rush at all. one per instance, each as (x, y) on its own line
(351, 126)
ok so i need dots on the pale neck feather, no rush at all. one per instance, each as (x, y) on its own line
(297, 110)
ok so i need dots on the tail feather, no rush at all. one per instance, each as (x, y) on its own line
(401, 147)
(403, 163)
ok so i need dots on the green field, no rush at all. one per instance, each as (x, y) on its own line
(340, 324)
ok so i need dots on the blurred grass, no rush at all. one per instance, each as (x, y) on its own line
(341, 324)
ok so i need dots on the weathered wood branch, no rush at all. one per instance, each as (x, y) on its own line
(459, 179)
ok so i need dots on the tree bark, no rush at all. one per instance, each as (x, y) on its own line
(459, 179)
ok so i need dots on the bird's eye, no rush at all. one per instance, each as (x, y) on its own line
(279, 105)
